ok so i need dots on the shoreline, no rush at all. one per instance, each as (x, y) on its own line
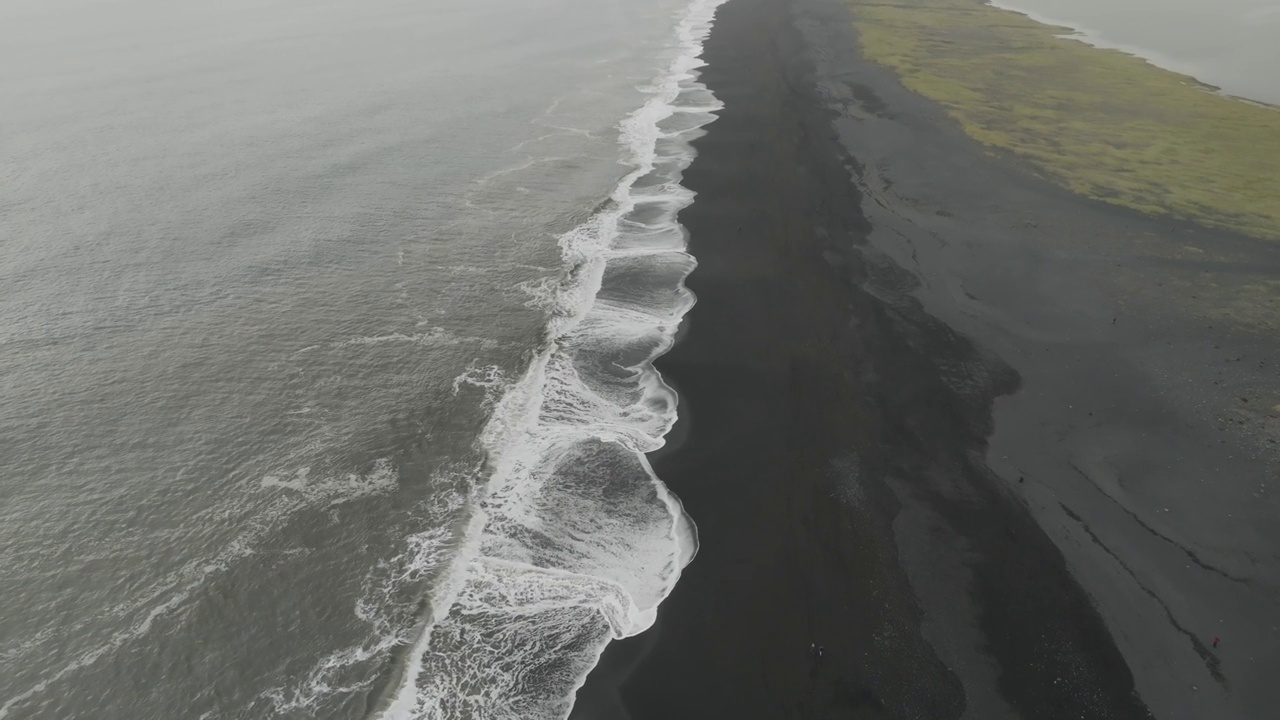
(957, 424)
(1102, 123)
(569, 494)
(1095, 39)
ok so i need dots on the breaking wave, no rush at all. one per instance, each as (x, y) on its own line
(571, 541)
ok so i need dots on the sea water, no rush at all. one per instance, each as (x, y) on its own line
(326, 334)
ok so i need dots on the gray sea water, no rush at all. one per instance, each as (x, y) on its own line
(325, 341)
(1231, 44)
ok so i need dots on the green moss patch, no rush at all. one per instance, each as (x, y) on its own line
(1103, 123)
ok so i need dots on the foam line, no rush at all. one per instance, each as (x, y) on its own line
(573, 540)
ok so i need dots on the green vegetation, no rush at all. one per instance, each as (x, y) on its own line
(1103, 123)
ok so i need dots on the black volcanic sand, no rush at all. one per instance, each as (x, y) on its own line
(965, 430)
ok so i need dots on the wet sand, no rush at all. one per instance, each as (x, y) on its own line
(967, 431)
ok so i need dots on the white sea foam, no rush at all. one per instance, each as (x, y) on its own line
(488, 378)
(436, 336)
(573, 541)
(387, 602)
(382, 478)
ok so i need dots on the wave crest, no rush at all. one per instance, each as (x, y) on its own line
(574, 541)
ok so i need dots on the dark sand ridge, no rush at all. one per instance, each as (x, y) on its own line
(837, 381)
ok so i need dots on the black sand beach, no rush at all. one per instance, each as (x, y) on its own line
(978, 437)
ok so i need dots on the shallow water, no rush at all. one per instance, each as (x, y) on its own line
(1231, 44)
(304, 369)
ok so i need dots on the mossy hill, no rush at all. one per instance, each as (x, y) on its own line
(1101, 122)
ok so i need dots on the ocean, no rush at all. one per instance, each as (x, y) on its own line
(326, 333)
(1231, 44)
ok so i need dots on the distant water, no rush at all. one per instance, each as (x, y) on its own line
(325, 342)
(1232, 44)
